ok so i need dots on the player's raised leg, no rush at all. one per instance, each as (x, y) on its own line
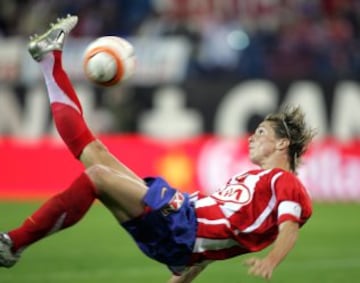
(107, 179)
(67, 112)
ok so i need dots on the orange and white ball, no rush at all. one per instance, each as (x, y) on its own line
(109, 60)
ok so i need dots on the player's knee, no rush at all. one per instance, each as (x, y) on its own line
(93, 153)
(98, 174)
(103, 176)
(99, 147)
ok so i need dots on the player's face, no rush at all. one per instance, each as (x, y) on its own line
(262, 143)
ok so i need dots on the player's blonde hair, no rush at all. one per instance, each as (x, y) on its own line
(290, 123)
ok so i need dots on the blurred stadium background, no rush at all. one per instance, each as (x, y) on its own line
(208, 72)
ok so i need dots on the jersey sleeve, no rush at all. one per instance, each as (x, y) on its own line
(294, 203)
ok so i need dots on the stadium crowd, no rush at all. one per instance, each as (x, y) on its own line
(281, 39)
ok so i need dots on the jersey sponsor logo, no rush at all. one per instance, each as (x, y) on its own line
(235, 193)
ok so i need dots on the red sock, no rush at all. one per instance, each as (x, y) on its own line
(59, 212)
(63, 81)
(71, 127)
(65, 105)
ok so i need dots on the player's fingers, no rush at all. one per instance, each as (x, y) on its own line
(261, 272)
(255, 271)
(268, 275)
(250, 261)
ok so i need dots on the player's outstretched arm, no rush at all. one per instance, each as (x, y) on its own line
(264, 267)
(188, 276)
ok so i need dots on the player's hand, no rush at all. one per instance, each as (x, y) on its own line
(260, 267)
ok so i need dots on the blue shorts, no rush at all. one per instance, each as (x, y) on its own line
(167, 231)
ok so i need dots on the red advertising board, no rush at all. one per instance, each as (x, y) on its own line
(40, 168)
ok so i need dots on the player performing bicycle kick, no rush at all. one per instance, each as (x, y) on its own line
(250, 212)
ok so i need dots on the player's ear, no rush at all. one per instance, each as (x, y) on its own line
(282, 143)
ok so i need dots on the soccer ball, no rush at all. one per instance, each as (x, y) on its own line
(109, 60)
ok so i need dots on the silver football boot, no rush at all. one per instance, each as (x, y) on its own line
(53, 39)
(7, 257)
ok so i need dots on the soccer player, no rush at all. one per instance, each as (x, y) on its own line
(250, 212)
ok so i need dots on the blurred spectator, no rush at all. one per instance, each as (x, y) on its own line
(284, 38)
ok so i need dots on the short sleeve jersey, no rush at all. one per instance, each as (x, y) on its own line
(244, 215)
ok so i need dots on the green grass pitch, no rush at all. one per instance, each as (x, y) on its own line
(97, 250)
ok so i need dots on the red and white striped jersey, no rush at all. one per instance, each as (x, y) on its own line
(245, 214)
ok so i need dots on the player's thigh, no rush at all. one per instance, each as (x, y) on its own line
(121, 194)
(97, 153)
